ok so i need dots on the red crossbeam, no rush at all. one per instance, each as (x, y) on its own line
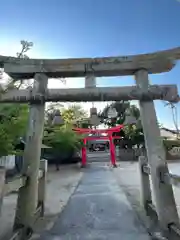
(102, 137)
(109, 130)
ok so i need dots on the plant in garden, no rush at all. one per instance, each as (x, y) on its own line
(131, 133)
(63, 138)
(13, 117)
(74, 112)
(13, 122)
(120, 107)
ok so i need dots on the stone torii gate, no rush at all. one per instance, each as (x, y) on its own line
(139, 66)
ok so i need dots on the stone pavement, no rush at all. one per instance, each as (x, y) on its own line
(98, 210)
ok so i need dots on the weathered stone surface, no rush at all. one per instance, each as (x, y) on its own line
(156, 62)
(154, 92)
(165, 202)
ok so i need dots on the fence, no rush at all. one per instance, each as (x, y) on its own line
(10, 185)
(173, 229)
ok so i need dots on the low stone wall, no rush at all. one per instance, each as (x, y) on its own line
(133, 154)
(8, 162)
(173, 154)
(130, 154)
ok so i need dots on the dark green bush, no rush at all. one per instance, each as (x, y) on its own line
(169, 144)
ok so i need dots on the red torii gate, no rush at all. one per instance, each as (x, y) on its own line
(109, 137)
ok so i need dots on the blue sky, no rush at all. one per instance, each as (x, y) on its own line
(91, 28)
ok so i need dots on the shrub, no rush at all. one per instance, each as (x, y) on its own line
(169, 144)
(63, 138)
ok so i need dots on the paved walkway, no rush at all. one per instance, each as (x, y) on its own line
(98, 210)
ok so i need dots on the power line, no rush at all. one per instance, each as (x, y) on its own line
(174, 112)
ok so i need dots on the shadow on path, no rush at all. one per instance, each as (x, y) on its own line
(98, 210)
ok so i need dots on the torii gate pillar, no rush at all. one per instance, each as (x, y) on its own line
(164, 197)
(112, 151)
(84, 152)
(28, 195)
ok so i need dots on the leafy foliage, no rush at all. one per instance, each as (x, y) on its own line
(13, 122)
(169, 144)
(63, 138)
(13, 117)
(120, 107)
(85, 124)
(133, 133)
(73, 113)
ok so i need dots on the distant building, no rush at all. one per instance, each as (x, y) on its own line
(168, 133)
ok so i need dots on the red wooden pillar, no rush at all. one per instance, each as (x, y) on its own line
(112, 151)
(84, 154)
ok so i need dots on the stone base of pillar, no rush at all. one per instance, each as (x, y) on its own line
(83, 166)
(114, 165)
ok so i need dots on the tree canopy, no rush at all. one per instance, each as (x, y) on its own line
(120, 108)
(132, 133)
(13, 122)
(62, 138)
(13, 117)
(73, 113)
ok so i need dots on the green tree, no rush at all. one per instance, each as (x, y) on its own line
(13, 117)
(63, 138)
(132, 133)
(85, 124)
(13, 122)
(120, 107)
(73, 113)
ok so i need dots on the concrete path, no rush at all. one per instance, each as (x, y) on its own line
(98, 210)
(128, 177)
(60, 186)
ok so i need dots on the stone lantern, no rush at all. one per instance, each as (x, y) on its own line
(129, 119)
(112, 113)
(57, 119)
(94, 120)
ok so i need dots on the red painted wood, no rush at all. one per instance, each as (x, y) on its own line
(109, 137)
(109, 130)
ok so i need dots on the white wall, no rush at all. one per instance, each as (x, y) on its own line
(7, 161)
